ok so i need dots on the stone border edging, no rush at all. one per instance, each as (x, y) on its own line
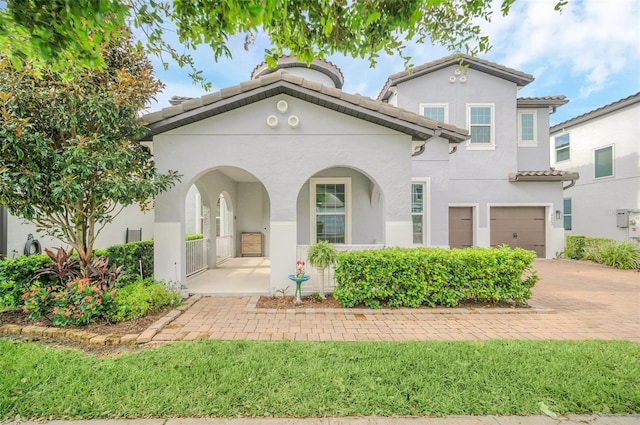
(91, 338)
(252, 308)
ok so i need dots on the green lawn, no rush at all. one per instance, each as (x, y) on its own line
(254, 378)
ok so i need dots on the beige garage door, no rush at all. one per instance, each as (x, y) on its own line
(521, 227)
(460, 227)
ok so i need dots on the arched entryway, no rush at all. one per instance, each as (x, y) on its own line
(344, 206)
(235, 225)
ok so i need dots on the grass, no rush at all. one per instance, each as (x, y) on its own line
(300, 379)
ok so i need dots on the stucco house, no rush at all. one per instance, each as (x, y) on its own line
(448, 155)
(603, 145)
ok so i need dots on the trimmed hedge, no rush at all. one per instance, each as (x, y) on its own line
(16, 277)
(129, 255)
(576, 245)
(412, 277)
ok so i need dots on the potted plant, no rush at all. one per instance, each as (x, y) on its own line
(321, 255)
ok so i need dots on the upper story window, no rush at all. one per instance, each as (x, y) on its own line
(330, 210)
(481, 120)
(435, 111)
(603, 162)
(563, 144)
(527, 121)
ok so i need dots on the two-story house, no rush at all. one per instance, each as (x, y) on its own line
(448, 155)
(603, 145)
(496, 187)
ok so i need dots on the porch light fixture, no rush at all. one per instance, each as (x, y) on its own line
(558, 214)
(272, 121)
(293, 121)
(282, 106)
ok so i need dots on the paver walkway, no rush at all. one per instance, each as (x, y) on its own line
(572, 300)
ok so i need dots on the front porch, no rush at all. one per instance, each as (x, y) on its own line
(235, 276)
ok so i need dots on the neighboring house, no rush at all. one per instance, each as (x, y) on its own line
(604, 147)
(292, 159)
(15, 232)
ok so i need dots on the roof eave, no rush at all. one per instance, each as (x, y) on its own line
(172, 119)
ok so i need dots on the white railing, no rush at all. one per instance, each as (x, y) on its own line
(196, 255)
(313, 285)
(224, 248)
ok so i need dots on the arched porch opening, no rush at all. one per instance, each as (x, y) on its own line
(234, 204)
(344, 206)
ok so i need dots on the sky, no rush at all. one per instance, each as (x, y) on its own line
(590, 53)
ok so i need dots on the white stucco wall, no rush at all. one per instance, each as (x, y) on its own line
(283, 159)
(115, 233)
(595, 201)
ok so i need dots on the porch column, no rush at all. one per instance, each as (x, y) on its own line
(283, 254)
(169, 250)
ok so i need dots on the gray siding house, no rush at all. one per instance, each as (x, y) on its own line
(603, 145)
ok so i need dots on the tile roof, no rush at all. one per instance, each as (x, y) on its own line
(518, 77)
(193, 110)
(549, 101)
(326, 67)
(546, 175)
(612, 107)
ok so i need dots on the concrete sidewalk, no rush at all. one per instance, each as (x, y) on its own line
(371, 420)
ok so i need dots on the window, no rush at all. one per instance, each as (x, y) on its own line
(562, 147)
(603, 161)
(417, 212)
(481, 126)
(567, 213)
(330, 199)
(435, 111)
(527, 128)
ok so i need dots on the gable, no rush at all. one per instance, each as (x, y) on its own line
(418, 127)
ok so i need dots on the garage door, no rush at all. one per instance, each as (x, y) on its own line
(460, 227)
(521, 227)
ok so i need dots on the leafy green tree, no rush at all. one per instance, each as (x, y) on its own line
(73, 30)
(69, 158)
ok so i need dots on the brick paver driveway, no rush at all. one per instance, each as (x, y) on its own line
(572, 300)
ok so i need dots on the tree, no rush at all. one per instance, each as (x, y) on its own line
(69, 157)
(63, 30)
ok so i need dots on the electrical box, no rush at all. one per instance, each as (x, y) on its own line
(622, 220)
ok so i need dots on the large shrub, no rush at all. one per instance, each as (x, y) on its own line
(79, 302)
(132, 257)
(141, 298)
(621, 255)
(433, 276)
(577, 245)
(16, 278)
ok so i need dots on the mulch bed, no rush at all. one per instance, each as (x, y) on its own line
(288, 302)
(18, 317)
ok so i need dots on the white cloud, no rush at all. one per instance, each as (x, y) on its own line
(591, 40)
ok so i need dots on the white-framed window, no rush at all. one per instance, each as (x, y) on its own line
(603, 162)
(481, 123)
(563, 147)
(435, 111)
(420, 210)
(330, 210)
(567, 213)
(527, 123)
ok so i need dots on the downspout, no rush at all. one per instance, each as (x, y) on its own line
(420, 150)
(573, 183)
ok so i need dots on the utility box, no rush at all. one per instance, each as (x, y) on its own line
(622, 220)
